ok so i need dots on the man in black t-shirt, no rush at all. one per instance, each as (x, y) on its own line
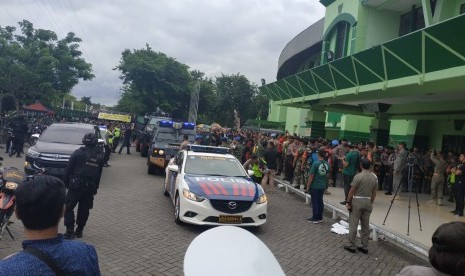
(271, 159)
(460, 186)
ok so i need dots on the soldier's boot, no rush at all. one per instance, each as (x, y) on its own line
(79, 232)
(70, 234)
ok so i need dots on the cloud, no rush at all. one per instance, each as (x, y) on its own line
(213, 36)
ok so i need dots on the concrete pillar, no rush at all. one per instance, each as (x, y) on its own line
(316, 120)
(379, 130)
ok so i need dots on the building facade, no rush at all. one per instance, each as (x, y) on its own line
(381, 70)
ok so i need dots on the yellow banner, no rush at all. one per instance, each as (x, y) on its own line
(115, 117)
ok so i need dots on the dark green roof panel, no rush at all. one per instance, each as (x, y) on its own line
(373, 59)
(275, 91)
(306, 81)
(282, 89)
(451, 31)
(343, 71)
(292, 87)
(408, 48)
(324, 74)
(439, 58)
(365, 76)
(397, 69)
(345, 66)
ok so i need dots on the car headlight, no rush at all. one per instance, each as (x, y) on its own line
(33, 153)
(261, 199)
(191, 196)
(155, 151)
(161, 152)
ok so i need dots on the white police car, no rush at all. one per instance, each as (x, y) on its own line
(209, 186)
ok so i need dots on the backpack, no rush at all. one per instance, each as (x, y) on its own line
(92, 163)
(323, 169)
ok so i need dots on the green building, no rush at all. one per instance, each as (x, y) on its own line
(380, 70)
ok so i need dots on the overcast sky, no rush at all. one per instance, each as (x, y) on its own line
(213, 36)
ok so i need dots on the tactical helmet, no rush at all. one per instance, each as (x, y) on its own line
(90, 139)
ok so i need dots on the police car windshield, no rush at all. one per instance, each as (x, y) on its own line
(213, 165)
(64, 135)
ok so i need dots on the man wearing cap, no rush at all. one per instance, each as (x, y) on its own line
(198, 139)
(359, 202)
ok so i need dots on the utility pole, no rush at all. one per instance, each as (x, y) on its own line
(194, 104)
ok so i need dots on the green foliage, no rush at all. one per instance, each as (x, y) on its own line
(152, 79)
(238, 97)
(35, 65)
(86, 100)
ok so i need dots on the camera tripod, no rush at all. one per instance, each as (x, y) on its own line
(410, 184)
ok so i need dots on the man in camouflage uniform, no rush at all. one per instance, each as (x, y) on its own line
(305, 160)
(237, 148)
(298, 174)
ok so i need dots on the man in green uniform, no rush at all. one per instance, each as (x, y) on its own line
(237, 148)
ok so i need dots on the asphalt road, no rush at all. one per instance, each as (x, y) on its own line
(132, 227)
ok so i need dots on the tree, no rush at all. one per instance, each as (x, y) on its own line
(152, 79)
(237, 97)
(86, 100)
(35, 65)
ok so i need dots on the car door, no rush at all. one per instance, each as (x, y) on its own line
(172, 175)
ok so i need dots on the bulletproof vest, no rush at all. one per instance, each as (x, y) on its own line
(92, 163)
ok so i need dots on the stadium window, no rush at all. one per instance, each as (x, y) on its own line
(411, 21)
(342, 32)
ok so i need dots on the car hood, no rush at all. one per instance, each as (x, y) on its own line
(166, 144)
(57, 148)
(223, 187)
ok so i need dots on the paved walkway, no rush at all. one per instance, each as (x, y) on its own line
(132, 227)
(431, 215)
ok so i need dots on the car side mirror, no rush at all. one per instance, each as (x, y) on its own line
(250, 172)
(173, 168)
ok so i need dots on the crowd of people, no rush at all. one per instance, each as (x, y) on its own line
(397, 169)
(313, 165)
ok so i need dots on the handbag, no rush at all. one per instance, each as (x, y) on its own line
(51, 263)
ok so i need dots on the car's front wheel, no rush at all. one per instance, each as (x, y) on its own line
(151, 168)
(165, 192)
(177, 209)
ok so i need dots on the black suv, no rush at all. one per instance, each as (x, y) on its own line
(165, 144)
(55, 146)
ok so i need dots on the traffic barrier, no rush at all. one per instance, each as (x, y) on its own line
(377, 230)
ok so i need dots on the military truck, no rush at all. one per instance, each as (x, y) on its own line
(145, 127)
(167, 138)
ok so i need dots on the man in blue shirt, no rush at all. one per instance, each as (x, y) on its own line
(40, 206)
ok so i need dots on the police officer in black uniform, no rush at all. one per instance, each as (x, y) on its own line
(82, 180)
(19, 128)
